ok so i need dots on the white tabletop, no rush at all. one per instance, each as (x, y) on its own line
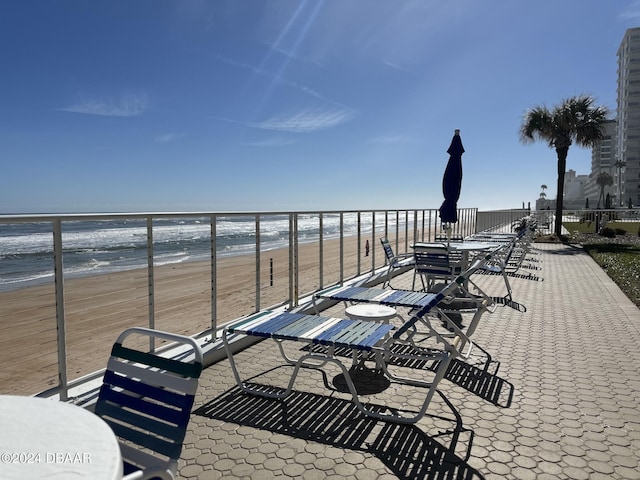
(41, 438)
(467, 245)
(370, 311)
(470, 245)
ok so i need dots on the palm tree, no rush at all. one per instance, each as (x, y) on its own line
(603, 180)
(577, 120)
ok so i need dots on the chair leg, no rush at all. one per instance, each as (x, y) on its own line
(387, 282)
(507, 284)
(413, 285)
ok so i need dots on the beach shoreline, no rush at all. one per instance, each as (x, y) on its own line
(98, 307)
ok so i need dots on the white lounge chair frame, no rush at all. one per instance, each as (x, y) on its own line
(356, 335)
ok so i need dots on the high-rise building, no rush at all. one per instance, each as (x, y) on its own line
(574, 186)
(626, 172)
(602, 161)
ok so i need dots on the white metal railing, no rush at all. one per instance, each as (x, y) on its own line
(292, 229)
(499, 220)
(591, 220)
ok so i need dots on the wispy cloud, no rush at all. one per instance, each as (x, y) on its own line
(398, 67)
(169, 137)
(278, 78)
(307, 121)
(270, 142)
(400, 32)
(632, 12)
(123, 106)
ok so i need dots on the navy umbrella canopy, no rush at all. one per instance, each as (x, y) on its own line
(452, 181)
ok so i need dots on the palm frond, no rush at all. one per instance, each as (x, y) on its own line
(537, 125)
(575, 119)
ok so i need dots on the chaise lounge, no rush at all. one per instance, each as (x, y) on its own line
(364, 339)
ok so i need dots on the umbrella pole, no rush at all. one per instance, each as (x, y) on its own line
(447, 228)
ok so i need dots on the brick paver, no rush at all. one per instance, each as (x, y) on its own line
(558, 399)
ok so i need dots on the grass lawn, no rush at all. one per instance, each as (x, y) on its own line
(632, 228)
(619, 256)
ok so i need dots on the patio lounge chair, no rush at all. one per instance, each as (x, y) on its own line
(510, 259)
(146, 399)
(358, 336)
(394, 261)
(459, 301)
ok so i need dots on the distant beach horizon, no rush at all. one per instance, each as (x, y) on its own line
(110, 246)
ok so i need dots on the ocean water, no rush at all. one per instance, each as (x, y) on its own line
(96, 247)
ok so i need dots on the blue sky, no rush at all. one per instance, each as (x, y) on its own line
(155, 105)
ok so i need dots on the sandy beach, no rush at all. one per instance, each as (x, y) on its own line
(98, 308)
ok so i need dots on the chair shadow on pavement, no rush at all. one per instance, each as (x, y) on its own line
(481, 383)
(406, 450)
(478, 381)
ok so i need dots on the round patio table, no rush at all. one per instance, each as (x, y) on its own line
(42, 438)
(370, 311)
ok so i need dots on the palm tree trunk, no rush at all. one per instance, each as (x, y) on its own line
(562, 167)
(601, 197)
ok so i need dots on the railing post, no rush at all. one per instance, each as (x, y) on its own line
(291, 291)
(150, 282)
(406, 230)
(321, 252)
(341, 248)
(61, 335)
(214, 276)
(257, 263)
(296, 279)
(293, 260)
(386, 226)
(358, 248)
(397, 247)
(464, 224)
(372, 248)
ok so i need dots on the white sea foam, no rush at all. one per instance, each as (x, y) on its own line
(90, 247)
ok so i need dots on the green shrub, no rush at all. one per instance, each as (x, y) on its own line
(608, 232)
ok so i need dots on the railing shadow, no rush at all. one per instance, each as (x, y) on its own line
(406, 450)
(566, 249)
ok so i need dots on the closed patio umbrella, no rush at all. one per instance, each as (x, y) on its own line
(452, 182)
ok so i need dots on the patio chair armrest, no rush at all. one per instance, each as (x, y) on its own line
(173, 337)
